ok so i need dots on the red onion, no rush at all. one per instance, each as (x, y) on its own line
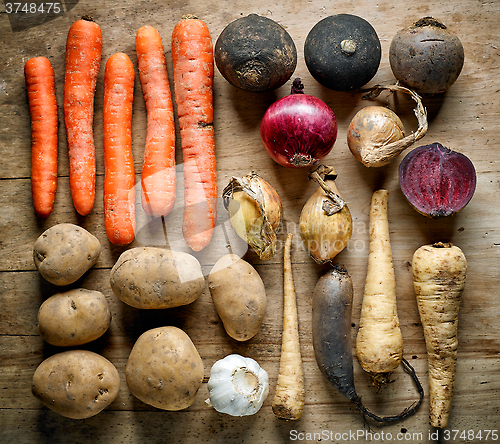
(299, 129)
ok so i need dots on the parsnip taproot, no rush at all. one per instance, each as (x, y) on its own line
(288, 402)
(439, 272)
(379, 342)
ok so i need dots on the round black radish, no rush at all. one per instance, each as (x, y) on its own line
(426, 56)
(342, 52)
(255, 54)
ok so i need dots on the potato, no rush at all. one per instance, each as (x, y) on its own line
(164, 369)
(76, 384)
(65, 252)
(152, 278)
(73, 317)
(239, 296)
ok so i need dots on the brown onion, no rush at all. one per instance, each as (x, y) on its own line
(376, 134)
(255, 212)
(325, 221)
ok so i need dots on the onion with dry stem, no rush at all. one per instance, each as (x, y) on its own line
(376, 134)
(255, 212)
(325, 221)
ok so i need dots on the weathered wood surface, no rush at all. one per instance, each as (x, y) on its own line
(465, 119)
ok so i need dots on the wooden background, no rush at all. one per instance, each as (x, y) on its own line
(464, 119)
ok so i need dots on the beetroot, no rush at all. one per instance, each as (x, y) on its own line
(437, 181)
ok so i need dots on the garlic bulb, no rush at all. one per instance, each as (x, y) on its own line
(238, 386)
(255, 212)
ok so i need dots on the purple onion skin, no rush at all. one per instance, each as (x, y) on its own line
(437, 181)
(298, 130)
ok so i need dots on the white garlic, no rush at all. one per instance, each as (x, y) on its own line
(237, 386)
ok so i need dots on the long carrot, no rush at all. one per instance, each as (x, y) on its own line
(158, 182)
(193, 66)
(439, 274)
(288, 400)
(119, 177)
(83, 58)
(40, 85)
(379, 343)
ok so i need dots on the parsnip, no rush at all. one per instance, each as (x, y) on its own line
(288, 402)
(439, 272)
(379, 342)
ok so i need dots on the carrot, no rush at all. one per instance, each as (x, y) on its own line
(158, 182)
(439, 273)
(83, 58)
(119, 177)
(288, 400)
(379, 342)
(40, 85)
(193, 67)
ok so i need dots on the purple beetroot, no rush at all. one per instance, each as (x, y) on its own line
(437, 181)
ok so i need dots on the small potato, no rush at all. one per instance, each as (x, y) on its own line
(73, 317)
(239, 296)
(76, 384)
(65, 252)
(153, 278)
(164, 369)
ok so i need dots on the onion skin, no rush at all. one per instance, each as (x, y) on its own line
(370, 131)
(298, 130)
(436, 181)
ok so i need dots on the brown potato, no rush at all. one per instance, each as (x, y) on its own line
(154, 278)
(65, 252)
(164, 369)
(239, 296)
(76, 384)
(73, 317)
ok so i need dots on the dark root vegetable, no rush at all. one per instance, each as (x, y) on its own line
(437, 181)
(255, 54)
(298, 130)
(342, 52)
(426, 56)
(331, 315)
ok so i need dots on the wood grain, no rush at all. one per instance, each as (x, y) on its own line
(464, 119)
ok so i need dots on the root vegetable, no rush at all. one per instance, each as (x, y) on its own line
(158, 181)
(439, 273)
(426, 56)
(288, 400)
(436, 181)
(40, 86)
(379, 343)
(83, 59)
(119, 174)
(193, 68)
(256, 54)
(331, 316)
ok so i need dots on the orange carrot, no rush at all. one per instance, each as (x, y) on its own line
(40, 86)
(158, 180)
(83, 58)
(193, 65)
(119, 174)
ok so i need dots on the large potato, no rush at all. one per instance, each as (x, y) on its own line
(76, 384)
(164, 369)
(239, 296)
(74, 317)
(150, 277)
(63, 253)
